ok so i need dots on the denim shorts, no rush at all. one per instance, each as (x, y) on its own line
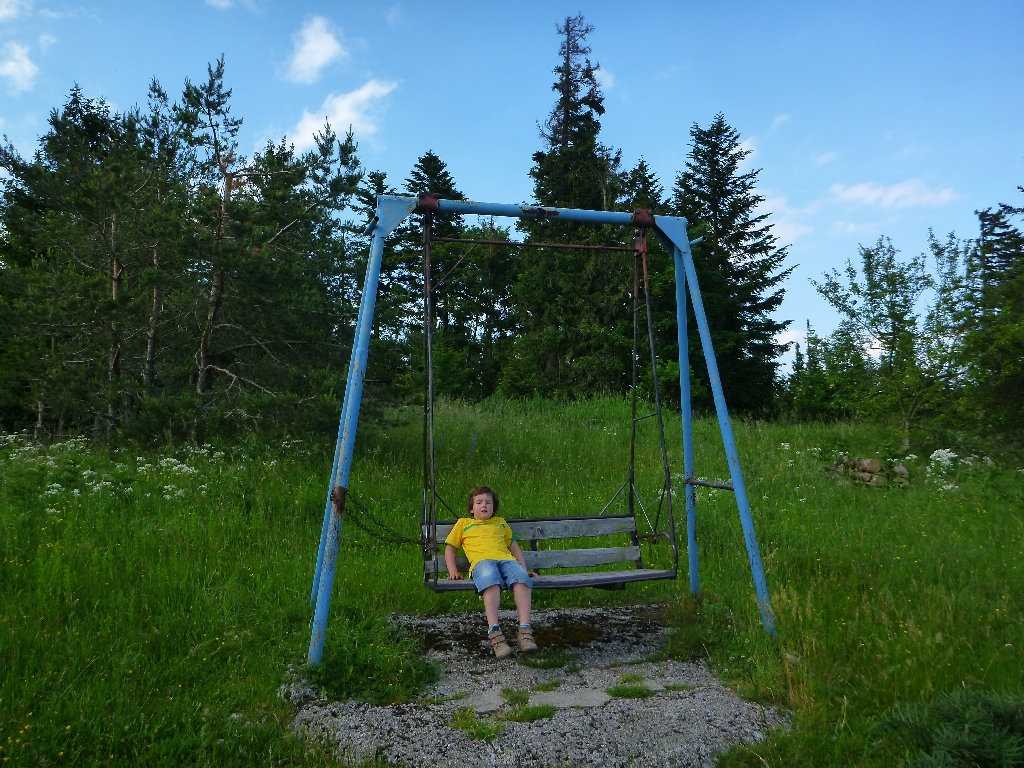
(503, 573)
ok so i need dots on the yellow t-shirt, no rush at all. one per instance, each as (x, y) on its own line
(482, 539)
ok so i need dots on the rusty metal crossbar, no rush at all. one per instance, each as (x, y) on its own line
(708, 484)
(515, 244)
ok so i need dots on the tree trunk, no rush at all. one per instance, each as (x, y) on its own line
(149, 372)
(904, 436)
(39, 420)
(114, 359)
(212, 308)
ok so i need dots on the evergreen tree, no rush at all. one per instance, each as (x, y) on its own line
(141, 258)
(576, 333)
(835, 380)
(994, 344)
(738, 264)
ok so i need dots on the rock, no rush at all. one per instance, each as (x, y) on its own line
(867, 465)
(487, 701)
(864, 477)
(581, 697)
(879, 480)
(899, 469)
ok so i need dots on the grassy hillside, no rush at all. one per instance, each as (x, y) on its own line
(151, 604)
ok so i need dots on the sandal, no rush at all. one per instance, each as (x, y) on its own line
(526, 642)
(502, 650)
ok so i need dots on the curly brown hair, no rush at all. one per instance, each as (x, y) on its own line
(480, 490)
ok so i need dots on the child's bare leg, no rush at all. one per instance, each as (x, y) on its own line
(492, 599)
(522, 595)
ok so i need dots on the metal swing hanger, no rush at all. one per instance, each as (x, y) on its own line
(433, 564)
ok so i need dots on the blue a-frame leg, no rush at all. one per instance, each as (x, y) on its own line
(391, 211)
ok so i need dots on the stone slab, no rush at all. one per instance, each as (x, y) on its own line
(581, 697)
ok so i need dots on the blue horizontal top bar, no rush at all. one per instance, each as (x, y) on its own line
(533, 212)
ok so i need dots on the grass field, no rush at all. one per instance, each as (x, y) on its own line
(152, 601)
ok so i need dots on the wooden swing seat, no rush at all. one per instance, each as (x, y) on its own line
(534, 529)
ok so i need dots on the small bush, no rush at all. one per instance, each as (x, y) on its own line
(365, 659)
(963, 728)
(465, 719)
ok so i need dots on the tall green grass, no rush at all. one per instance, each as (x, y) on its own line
(152, 616)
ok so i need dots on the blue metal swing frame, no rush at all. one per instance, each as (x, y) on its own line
(671, 230)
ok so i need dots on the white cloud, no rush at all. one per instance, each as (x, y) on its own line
(850, 228)
(787, 222)
(828, 157)
(779, 120)
(45, 41)
(791, 335)
(749, 144)
(906, 194)
(604, 78)
(315, 48)
(225, 4)
(12, 8)
(356, 108)
(16, 66)
(790, 231)
(394, 15)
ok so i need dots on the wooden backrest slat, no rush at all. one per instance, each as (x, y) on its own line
(567, 528)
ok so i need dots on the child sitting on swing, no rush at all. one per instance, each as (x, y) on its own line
(495, 561)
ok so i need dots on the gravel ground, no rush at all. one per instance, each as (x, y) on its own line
(690, 718)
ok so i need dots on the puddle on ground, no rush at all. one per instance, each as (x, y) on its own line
(559, 631)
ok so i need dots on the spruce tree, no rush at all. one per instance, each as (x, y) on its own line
(994, 343)
(738, 264)
(576, 336)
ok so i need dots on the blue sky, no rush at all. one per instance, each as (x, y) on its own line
(867, 118)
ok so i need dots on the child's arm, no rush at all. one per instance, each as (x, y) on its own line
(449, 559)
(517, 553)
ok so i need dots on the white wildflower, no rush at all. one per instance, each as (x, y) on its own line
(53, 489)
(785, 446)
(943, 458)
